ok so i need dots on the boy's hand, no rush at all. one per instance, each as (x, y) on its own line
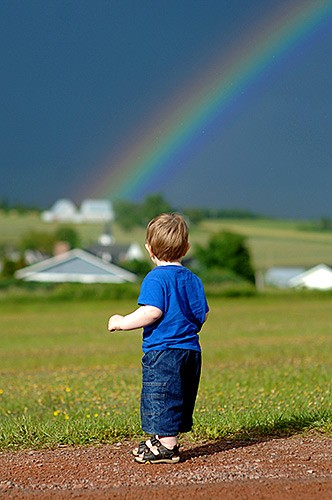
(114, 322)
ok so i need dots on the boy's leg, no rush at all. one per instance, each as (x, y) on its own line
(168, 441)
(190, 379)
(169, 390)
(161, 395)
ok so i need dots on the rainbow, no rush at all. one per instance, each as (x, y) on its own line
(134, 171)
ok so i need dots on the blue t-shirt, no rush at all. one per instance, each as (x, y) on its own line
(180, 295)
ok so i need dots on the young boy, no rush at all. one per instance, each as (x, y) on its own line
(172, 310)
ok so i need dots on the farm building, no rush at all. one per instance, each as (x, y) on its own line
(280, 276)
(116, 253)
(96, 211)
(317, 278)
(76, 266)
(106, 249)
(63, 211)
(90, 211)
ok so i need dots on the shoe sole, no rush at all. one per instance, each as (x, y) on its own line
(174, 460)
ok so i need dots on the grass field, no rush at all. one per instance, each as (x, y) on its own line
(272, 242)
(64, 379)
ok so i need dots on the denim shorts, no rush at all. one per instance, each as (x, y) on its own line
(170, 382)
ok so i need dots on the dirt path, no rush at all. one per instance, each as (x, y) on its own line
(289, 468)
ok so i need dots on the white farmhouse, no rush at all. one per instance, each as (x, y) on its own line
(96, 211)
(317, 278)
(63, 210)
(91, 210)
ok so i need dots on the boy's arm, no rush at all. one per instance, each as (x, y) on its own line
(143, 316)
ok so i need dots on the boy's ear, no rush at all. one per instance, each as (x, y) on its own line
(148, 248)
(187, 248)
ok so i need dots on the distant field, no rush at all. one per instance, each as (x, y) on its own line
(272, 242)
(278, 243)
(267, 370)
(14, 226)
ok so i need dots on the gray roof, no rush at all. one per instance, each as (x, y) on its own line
(75, 266)
(280, 276)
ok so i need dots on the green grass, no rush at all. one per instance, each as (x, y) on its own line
(267, 370)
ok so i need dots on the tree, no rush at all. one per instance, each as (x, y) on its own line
(38, 240)
(325, 224)
(195, 215)
(45, 241)
(152, 206)
(69, 235)
(4, 205)
(227, 250)
(129, 215)
(10, 266)
(138, 267)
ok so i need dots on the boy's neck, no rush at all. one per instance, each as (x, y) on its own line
(158, 262)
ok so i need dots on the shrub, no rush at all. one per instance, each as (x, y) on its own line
(226, 250)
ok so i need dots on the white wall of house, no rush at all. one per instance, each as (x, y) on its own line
(134, 252)
(317, 278)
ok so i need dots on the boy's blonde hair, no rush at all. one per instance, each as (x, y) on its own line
(167, 235)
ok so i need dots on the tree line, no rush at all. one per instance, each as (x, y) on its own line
(130, 214)
(225, 257)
